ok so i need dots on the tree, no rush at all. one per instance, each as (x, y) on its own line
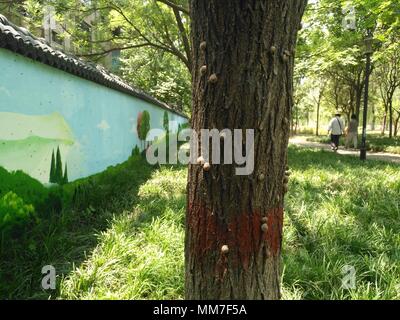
(318, 102)
(124, 25)
(143, 125)
(160, 74)
(52, 169)
(389, 82)
(166, 121)
(234, 223)
(151, 38)
(58, 176)
(65, 178)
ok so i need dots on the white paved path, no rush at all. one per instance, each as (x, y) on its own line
(301, 141)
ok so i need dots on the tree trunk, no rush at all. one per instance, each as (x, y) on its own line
(384, 123)
(292, 132)
(321, 94)
(318, 110)
(373, 124)
(390, 119)
(396, 125)
(234, 223)
(318, 116)
(359, 92)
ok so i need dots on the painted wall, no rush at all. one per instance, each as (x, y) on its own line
(43, 108)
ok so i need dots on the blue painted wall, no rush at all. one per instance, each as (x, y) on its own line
(42, 108)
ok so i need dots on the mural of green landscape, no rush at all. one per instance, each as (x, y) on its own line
(28, 143)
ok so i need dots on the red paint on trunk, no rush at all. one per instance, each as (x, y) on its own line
(242, 234)
(274, 232)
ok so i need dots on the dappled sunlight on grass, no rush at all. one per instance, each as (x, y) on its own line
(339, 212)
(141, 255)
(342, 212)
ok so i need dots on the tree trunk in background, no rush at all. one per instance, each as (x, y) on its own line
(359, 92)
(384, 123)
(373, 124)
(396, 124)
(252, 90)
(318, 110)
(390, 119)
(321, 94)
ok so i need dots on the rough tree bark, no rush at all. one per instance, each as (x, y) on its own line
(234, 223)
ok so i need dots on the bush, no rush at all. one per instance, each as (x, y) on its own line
(14, 211)
(135, 151)
(97, 190)
(30, 190)
(44, 200)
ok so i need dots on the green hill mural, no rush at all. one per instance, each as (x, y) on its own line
(27, 143)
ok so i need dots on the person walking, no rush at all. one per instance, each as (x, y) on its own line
(335, 128)
(352, 132)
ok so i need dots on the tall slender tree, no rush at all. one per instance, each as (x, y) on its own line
(52, 169)
(243, 59)
(58, 172)
(166, 121)
(145, 126)
(65, 178)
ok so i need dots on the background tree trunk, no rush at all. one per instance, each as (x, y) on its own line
(396, 124)
(320, 96)
(317, 126)
(253, 90)
(359, 92)
(384, 123)
(373, 124)
(391, 119)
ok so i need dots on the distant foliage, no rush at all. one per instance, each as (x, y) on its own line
(160, 74)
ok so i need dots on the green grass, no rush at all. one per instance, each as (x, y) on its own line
(32, 192)
(141, 255)
(64, 239)
(338, 212)
(375, 142)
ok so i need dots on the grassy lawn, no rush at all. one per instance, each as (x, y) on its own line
(375, 142)
(338, 212)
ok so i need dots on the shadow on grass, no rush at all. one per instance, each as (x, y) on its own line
(64, 239)
(341, 212)
(140, 255)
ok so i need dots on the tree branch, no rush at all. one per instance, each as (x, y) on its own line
(102, 53)
(175, 6)
(185, 39)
